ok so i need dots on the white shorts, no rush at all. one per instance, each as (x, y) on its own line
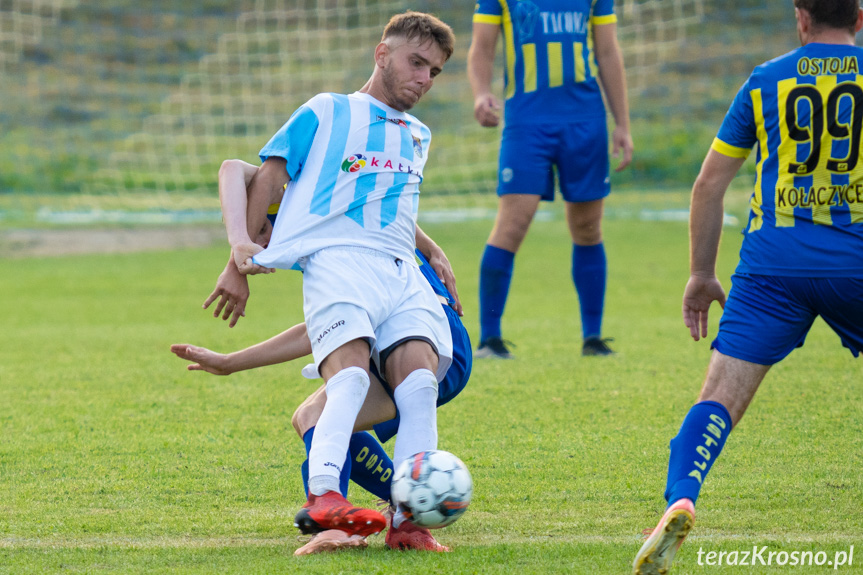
(358, 293)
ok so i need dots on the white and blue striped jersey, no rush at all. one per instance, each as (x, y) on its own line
(355, 166)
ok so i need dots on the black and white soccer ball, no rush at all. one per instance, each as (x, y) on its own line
(432, 488)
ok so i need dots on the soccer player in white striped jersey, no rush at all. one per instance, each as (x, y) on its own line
(346, 170)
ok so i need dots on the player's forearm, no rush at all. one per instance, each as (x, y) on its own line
(287, 346)
(612, 76)
(233, 199)
(480, 70)
(424, 243)
(480, 59)
(705, 230)
(707, 211)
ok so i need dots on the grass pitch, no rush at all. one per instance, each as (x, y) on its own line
(114, 459)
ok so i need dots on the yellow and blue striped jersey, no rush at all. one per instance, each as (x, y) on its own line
(550, 71)
(803, 112)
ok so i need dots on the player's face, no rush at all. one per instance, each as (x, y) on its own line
(409, 70)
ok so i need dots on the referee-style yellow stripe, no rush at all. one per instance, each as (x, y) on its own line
(787, 153)
(528, 57)
(555, 65)
(728, 149)
(509, 50)
(757, 201)
(487, 19)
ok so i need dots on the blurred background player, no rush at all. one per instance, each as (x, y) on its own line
(556, 54)
(802, 253)
(352, 165)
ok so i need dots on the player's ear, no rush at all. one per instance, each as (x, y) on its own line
(382, 50)
(859, 24)
(804, 20)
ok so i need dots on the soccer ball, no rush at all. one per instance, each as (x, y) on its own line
(432, 488)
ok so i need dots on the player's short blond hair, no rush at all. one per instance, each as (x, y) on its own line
(423, 27)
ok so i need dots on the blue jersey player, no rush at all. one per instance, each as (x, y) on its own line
(557, 55)
(802, 253)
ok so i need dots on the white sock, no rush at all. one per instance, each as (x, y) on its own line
(416, 399)
(398, 519)
(346, 392)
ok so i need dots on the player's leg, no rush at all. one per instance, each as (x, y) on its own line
(410, 368)
(514, 215)
(413, 364)
(367, 463)
(583, 171)
(416, 351)
(341, 292)
(406, 535)
(728, 389)
(743, 353)
(346, 387)
(525, 176)
(370, 466)
(589, 271)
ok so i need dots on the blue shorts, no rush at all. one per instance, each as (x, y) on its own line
(453, 382)
(766, 317)
(579, 151)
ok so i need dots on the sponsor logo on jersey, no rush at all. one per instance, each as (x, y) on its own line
(354, 163)
(397, 121)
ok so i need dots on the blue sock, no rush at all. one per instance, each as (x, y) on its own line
(304, 468)
(696, 446)
(589, 270)
(371, 467)
(495, 275)
(344, 478)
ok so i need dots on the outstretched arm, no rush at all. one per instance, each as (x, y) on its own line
(287, 346)
(705, 230)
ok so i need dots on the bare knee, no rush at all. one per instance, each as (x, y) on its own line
(514, 216)
(309, 411)
(585, 222)
(409, 357)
